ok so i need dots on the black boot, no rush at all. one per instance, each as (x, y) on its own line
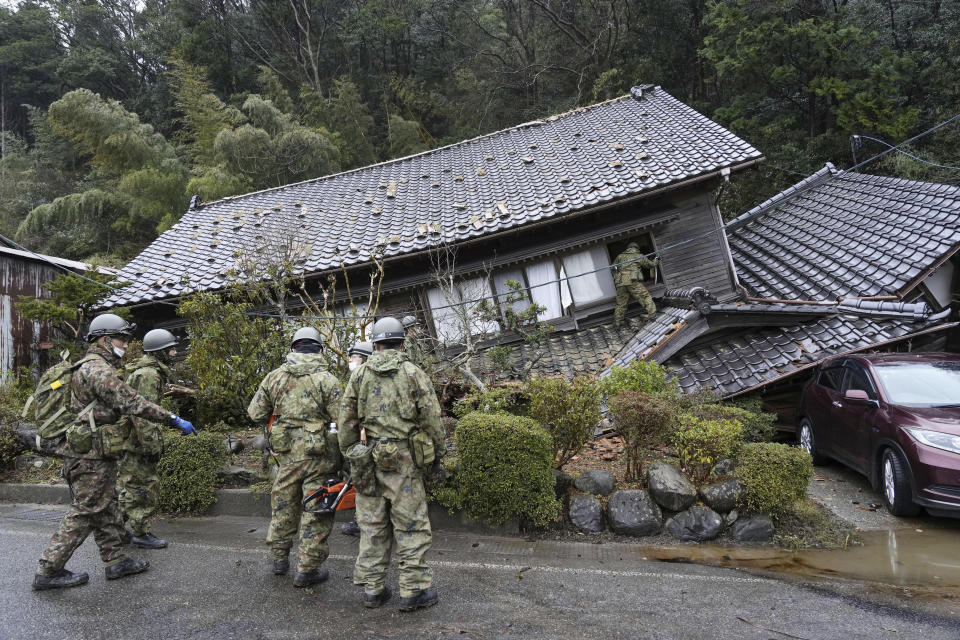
(126, 567)
(280, 567)
(126, 536)
(310, 577)
(426, 598)
(148, 541)
(62, 580)
(350, 529)
(372, 601)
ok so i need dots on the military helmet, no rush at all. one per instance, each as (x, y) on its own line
(307, 333)
(158, 339)
(388, 329)
(108, 324)
(364, 349)
(633, 245)
(409, 321)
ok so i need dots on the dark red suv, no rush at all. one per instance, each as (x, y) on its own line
(895, 417)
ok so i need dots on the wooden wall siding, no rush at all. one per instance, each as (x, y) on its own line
(19, 337)
(704, 262)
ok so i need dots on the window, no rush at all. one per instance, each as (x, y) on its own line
(545, 288)
(453, 310)
(644, 241)
(590, 278)
(831, 378)
(857, 379)
(500, 280)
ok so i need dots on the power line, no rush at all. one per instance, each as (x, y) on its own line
(909, 155)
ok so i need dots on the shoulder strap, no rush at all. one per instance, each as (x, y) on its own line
(32, 396)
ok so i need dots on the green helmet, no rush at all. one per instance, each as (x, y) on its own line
(158, 339)
(108, 324)
(388, 329)
(409, 321)
(307, 333)
(364, 349)
(633, 245)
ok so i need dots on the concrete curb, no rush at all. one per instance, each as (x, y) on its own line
(243, 502)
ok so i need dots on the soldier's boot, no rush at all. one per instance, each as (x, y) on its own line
(126, 535)
(126, 567)
(426, 598)
(350, 529)
(374, 600)
(62, 580)
(148, 541)
(310, 577)
(281, 566)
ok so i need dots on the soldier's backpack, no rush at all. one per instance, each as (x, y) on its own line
(52, 399)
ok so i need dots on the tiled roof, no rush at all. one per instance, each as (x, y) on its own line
(661, 328)
(529, 173)
(840, 234)
(752, 358)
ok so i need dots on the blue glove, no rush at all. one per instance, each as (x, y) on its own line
(186, 427)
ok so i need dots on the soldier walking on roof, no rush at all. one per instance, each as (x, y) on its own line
(100, 398)
(304, 398)
(628, 276)
(392, 401)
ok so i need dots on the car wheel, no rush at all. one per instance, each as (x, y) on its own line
(808, 442)
(895, 485)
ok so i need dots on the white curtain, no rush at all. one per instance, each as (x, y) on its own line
(586, 283)
(472, 292)
(447, 308)
(500, 279)
(544, 289)
(445, 321)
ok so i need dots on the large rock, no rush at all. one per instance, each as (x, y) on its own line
(722, 468)
(595, 482)
(259, 443)
(561, 482)
(634, 513)
(31, 461)
(237, 477)
(722, 496)
(669, 487)
(233, 444)
(752, 529)
(586, 513)
(695, 524)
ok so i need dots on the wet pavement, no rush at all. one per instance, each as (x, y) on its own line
(213, 582)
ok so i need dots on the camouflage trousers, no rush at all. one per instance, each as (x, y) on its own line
(397, 518)
(638, 292)
(137, 488)
(295, 479)
(93, 490)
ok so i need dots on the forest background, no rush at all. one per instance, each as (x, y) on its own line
(114, 113)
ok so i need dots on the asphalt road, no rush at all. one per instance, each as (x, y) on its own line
(213, 583)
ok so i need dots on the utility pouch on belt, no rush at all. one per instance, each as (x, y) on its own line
(315, 439)
(421, 449)
(112, 440)
(386, 455)
(81, 436)
(360, 458)
(280, 439)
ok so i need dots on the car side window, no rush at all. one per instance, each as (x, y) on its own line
(858, 380)
(831, 378)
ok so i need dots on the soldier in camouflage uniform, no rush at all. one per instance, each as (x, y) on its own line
(390, 398)
(137, 478)
(628, 276)
(358, 354)
(304, 398)
(412, 343)
(90, 450)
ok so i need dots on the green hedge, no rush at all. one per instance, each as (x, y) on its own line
(701, 443)
(494, 400)
(188, 471)
(774, 476)
(568, 409)
(758, 426)
(503, 470)
(10, 446)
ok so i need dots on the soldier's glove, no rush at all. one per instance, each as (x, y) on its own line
(437, 472)
(184, 425)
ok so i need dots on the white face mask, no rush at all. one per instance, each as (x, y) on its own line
(353, 365)
(119, 352)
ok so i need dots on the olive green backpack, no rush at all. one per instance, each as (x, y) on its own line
(52, 399)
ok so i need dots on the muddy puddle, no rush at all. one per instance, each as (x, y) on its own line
(927, 559)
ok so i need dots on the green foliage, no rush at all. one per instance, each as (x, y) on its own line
(702, 443)
(14, 391)
(774, 476)
(493, 400)
(188, 472)
(10, 446)
(642, 420)
(640, 375)
(521, 317)
(230, 353)
(344, 113)
(504, 470)
(569, 410)
(757, 426)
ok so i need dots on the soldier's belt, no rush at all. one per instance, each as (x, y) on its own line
(400, 442)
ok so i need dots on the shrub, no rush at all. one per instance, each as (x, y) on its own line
(757, 426)
(642, 420)
(570, 411)
(640, 375)
(14, 393)
(10, 446)
(774, 476)
(494, 400)
(503, 470)
(701, 443)
(188, 471)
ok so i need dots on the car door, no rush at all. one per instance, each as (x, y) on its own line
(818, 404)
(852, 418)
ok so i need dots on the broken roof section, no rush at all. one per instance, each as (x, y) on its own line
(572, 162)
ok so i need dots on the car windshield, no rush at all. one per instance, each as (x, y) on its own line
(921, 384)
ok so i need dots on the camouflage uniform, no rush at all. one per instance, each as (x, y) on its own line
(304, 399)
(629, 280)
(391, 397)
(413, 348)
(92, 475)
(137, 478)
